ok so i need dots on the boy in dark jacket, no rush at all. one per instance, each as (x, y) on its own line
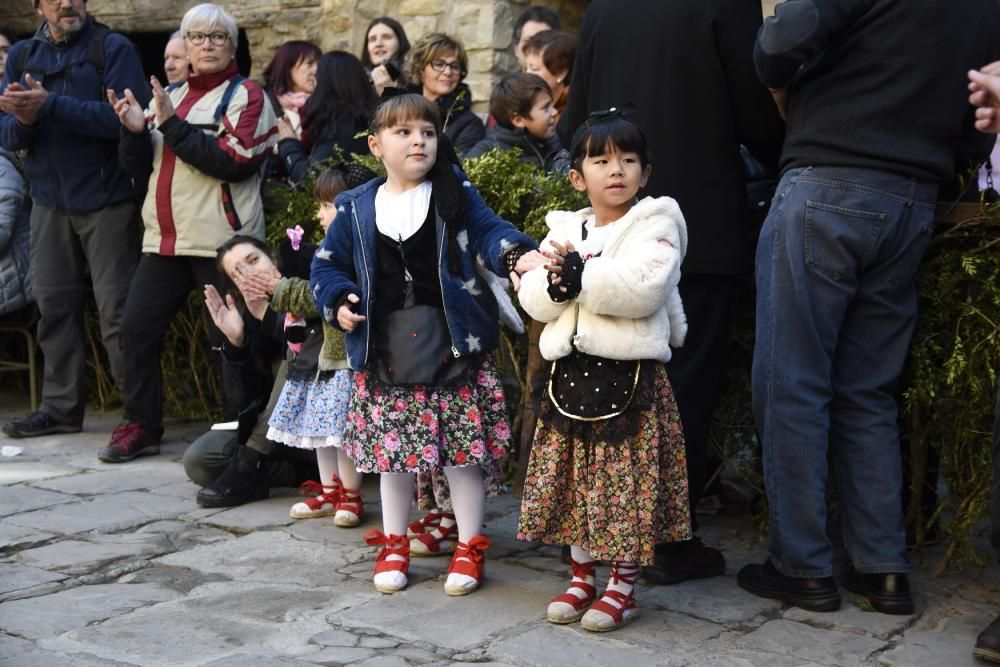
(522, 106)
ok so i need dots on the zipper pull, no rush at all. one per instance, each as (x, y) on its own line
(454, 351)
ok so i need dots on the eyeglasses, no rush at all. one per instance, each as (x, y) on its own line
(441, 65)
(217, 38)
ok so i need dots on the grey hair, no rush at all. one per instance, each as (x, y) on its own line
(177, 34)
(208, 15)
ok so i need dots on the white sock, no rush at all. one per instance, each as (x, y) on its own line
(468, 496)
(396, 490)
(629, 571)
(582, 556)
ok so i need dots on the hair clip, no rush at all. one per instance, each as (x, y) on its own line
(295, 235)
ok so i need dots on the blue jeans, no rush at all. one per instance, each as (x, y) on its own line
(836, 308)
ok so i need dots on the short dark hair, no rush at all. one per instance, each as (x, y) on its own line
(558, 49)
(516, 93)
(329, 184)
(596, 137)
(538, 14)
(8, 34)
(396, 27)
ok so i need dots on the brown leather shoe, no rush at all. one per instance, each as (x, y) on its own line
(988, 642)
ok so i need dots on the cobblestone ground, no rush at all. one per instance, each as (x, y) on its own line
(116, 565)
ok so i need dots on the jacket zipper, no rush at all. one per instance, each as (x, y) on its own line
(447, 322)
(364, 259)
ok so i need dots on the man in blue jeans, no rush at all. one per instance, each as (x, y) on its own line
(874, 93)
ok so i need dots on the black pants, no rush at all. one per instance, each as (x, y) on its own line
(696, 369)
(159, 289)
(995, 493)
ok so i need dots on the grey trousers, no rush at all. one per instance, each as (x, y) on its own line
(63, 247)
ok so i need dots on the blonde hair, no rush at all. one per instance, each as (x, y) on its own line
(432, 47)
(401, 108)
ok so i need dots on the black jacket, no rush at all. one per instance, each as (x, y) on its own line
(296, 158)
(880, 84)
(688, 67)
(461, 124)
(548, 156)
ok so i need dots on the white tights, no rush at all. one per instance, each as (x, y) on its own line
(333, 461)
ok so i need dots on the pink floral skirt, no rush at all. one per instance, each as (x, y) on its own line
(413, 428)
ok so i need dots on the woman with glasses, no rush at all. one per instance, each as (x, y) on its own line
(202, 152)
(437, 65)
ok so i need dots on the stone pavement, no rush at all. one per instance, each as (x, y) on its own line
(116, 565)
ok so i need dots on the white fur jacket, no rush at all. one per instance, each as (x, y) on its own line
(629, 306)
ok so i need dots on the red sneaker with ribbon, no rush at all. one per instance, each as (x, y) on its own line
(393, 561)
(323, 504)
(466, 570)
(570, 607)
(615, 608)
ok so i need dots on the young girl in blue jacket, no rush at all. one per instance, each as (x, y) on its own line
(399, 272)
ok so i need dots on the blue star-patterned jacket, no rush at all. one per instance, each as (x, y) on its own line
(346, 264)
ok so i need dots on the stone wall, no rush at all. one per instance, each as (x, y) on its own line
(484, 26)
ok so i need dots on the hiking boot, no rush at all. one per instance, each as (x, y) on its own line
(36, 424)
(244, 480)
(128, 441)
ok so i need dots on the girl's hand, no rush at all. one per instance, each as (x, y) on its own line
(162, 106)
(556, 255)
(128, 110)
(285, 129)
(346, 317)
(526, 262)
(225, 315)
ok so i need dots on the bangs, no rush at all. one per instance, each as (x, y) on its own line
(329, 184)
(402, 108)
(608, 135)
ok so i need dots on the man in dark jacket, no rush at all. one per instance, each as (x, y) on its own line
(687, 67)
(877, 112)
(84, 213)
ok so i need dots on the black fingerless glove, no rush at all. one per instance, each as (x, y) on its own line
(571, 278)
(513, 257)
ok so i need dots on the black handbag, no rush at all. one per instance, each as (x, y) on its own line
(588, 388)
(413, 346)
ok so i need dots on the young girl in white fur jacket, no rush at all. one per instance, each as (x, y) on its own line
(607, 473)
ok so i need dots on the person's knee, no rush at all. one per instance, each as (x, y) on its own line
(206, 457)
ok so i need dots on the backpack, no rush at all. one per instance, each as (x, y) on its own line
(95, 55)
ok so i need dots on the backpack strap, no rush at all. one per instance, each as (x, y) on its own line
(95, 52)
(23, 60)
(227, 97)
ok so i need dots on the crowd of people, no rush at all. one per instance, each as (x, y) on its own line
(372, 352)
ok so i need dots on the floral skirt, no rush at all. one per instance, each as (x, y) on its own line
(413, 428)
(615, 499)
(311, 413)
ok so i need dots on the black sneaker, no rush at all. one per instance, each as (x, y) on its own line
(814, 594)
(888, 592)
(988, 642)
(675, 562)
(38, 423)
